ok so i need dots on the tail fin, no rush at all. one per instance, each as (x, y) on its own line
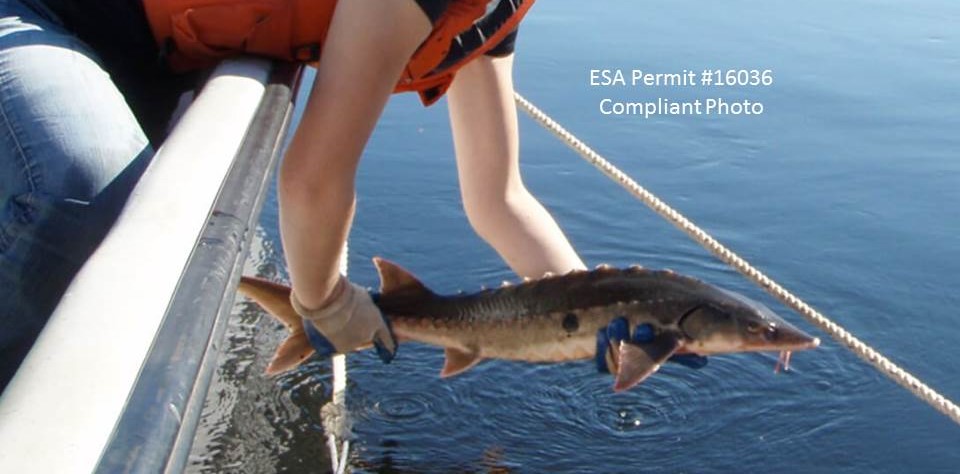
(275, 299)
(272, 297)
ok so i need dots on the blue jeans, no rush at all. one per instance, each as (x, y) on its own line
(70, 152)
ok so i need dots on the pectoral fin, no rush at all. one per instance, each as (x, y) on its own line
(458, 360)
(638, 360)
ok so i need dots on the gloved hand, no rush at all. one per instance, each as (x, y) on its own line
(619, 330)
(349, 321)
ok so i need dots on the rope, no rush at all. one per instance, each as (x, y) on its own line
(336, 418)
(865, 352)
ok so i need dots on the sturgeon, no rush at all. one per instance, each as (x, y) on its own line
(558, 319)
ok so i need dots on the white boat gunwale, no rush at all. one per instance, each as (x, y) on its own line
(117, 379)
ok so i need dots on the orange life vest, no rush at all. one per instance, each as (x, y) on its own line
(198, 33)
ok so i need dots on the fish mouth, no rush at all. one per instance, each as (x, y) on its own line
(813, 343)
(780, 346)
(785, 349)
(783, 361)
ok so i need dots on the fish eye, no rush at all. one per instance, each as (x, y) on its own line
(753, 327)
(770, 333)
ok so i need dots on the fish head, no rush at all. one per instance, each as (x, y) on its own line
(729, 322)
(718, 322)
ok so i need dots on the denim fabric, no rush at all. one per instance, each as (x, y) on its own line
(70, 152)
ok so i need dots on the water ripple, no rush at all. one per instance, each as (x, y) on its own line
(405, 406)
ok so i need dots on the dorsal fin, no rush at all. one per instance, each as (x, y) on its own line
(394, 280)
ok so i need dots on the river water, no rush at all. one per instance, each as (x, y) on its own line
(845, 189)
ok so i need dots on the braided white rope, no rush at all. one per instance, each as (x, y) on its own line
(865, 352)
(339, 443)
(339, 457)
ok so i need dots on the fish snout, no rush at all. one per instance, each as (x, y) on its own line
(782, 336)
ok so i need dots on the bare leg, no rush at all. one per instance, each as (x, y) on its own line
(500, 208)
(365, 51)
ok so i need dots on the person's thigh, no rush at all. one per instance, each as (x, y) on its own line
(70, 151)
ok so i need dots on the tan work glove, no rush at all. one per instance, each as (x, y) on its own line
(350, 321)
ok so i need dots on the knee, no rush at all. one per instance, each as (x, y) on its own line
(102, 175)
(69, 136)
